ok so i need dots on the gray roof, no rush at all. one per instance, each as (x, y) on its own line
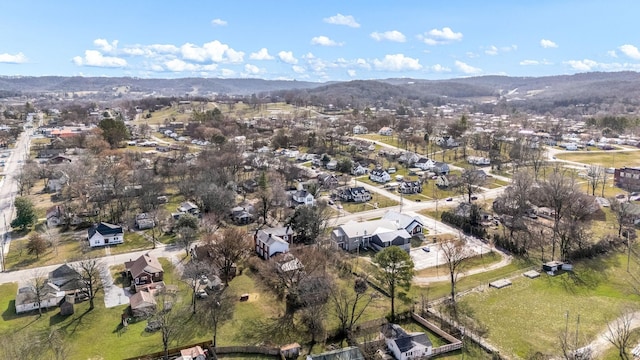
(355, 229)
(348, 353)
(401, 219)
(105, 229)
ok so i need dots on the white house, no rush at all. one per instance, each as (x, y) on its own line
(405, 346)
(386, 131)
(441, 168)
(272, 241)
(379, 176)
(302, 197)
(355, 194)
(424, 164)
(412, 224)
(27, 299)
(358, 170)
(105, 234)
(442, 181)
(359, 129)
(478, 160)
(571, 146)
(377, 234)
(332, 164)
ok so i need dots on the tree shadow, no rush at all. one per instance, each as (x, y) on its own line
(72, 326)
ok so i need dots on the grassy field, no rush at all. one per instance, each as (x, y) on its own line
(603, 158)
(528, 316)
(376, 198)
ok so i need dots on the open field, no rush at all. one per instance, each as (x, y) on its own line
(475, 262)
(376, 198)
(528, 316)
(603, 158)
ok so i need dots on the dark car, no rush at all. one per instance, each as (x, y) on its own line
(474, 198)
(426, 249)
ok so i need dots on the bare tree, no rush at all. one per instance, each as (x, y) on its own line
(227, 249)
(469, 182)
(455, 254)
(192, 274)
(186, 237)
(36, 245)
(619, 333)
(169, 318)
(595, 175)
(557, 190)
(92, 271)
(349, 307)
(52, 237)
(37, 283)
(55, 341)
(220, 307)
(622, 212)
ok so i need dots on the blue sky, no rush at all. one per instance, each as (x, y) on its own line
(326, 40)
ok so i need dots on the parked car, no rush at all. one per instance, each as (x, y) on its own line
(331, 202)
(474, 197)
(426, 249)
(201, 294)
(449, 199)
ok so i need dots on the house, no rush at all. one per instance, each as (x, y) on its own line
(377, 234)
(250, 185)
(55, 216)
(627, 178)
(272, 241)
(57, 181)
(379, 176)
(241, 216)
(332, 164)
(144, 221)
(144, 270)
(412, 224)
(49, 153)
(193, 353)
(67, 279)
(27, 299)
(410, 187)
(350, 353)
(409, 158)
(302, 197)
(354, 194)
(404, 345)
(424, 164)
(142, 303)
(359, 129)
(57, 160)
(358, 170)
(571, 146)
(440, 168)
(105, 234)
(385, 131)
(442, 181)
(328, 181)
(478, 160)
(188, 207)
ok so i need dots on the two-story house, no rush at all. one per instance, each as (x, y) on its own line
(391, 230)
(379, 176)
(354, 194)
(302, 197)
(410, 187)
(144, 270)
(627, 178)
(359, 129)
(385, 131)
(440, 168)
(424, 164)
(271, 241)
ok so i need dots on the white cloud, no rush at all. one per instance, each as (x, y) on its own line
(529, 62)
(156, 67)
(340, 19)
(392, 35)
(545, 43)
(466, 68)
(149, 51)
(582, 65)
(440, 36)
(471, 55)
(218, 22)
(227, 73)
(351, 73)
(298, 69)
(212, 51)
(95, 58)
(631, 51)
(105, 45)
(492, 50)
(177, 65)
(18, 58)
(439, 68)
(287, 57)
(324, 41)
(252, 69)
(363, 63)
(397, 62)
(612, 53)
(262, 54)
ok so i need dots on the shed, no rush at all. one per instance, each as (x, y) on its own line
(67, 305)
(552, 267)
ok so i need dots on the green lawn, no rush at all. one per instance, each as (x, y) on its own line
(528, 316)
(69, 249)
(376, 198)
(603, 158)
(485, 260)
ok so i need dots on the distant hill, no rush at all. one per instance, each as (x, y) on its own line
(539, 93)
(167, 87)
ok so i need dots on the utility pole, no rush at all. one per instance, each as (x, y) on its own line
(628, 249)
(4, 239)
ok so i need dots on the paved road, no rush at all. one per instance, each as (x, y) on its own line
(9, 186)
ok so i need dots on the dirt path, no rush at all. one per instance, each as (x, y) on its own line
(601, 344)
(426, 280)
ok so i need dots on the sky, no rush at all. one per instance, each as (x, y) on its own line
(319, 41)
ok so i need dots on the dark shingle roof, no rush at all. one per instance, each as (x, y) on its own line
(105, 229)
